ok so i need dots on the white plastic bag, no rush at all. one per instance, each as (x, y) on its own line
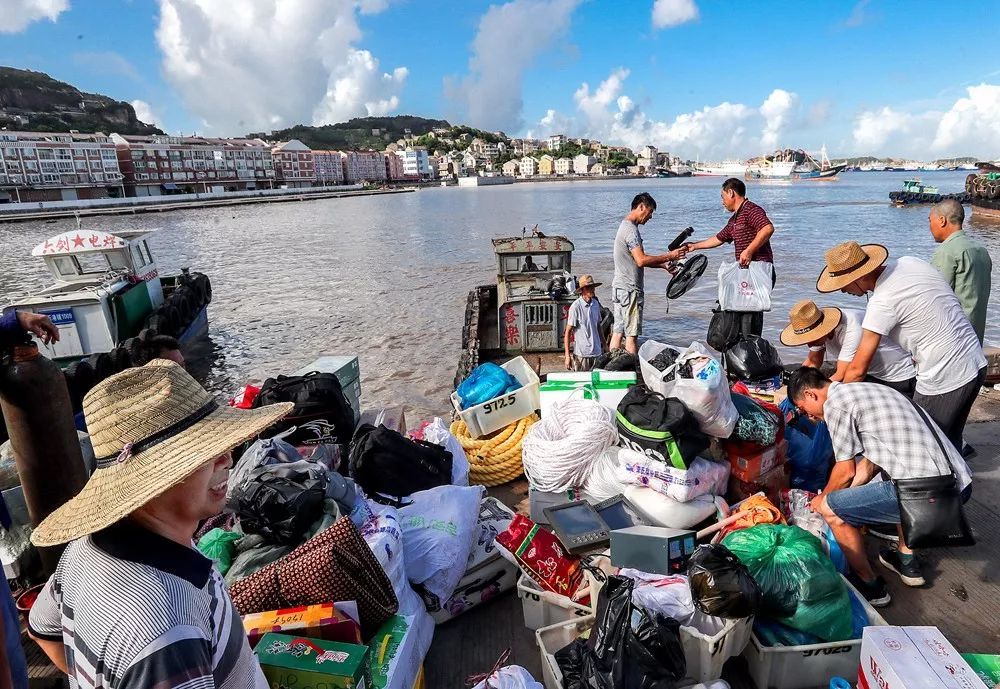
(384, 536)
(702, 477)
(745, 289)
(654, 378)
(437, 432)
(510, 677)
(673, 514)
(438, 530)
(670, 595)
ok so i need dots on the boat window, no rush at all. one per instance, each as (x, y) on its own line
(511, 264)
(91, 263)
(557, 262)
(149, 256)
(137, 257)
(117, 260)
(65, 266)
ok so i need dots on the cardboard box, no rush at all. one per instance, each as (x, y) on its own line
(771, 484)
(293, 661)
(397, 650)
(607, 387)
(912, 658)
(330, 621)
(986, 667)
(747, 463)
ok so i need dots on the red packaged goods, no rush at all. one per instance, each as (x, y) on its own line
(748, 462)
(540, 556)
(770, 483)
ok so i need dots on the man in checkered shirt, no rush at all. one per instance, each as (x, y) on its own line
(875, 430)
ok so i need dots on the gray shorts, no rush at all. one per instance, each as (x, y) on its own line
(951, 410)
(582, 363)
(627, 312)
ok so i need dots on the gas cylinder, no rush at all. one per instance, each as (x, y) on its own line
(39, 418)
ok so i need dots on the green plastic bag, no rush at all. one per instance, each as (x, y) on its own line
(800, 586)
(218, 544)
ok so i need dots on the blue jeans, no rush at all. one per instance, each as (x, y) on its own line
(872, 503)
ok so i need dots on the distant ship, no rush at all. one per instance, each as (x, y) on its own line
(727, 168)
(771, 169)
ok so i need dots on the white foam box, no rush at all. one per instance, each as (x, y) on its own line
(913, 658)
(504, 410)
(606, 387)
(810, 665)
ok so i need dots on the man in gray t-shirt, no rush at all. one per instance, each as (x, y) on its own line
(630, 260)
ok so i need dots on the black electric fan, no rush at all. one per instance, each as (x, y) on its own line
(688, 270)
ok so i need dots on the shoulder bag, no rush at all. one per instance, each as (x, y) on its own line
(930, 508)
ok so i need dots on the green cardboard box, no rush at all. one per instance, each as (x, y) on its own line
(290, 661)
(987, 667)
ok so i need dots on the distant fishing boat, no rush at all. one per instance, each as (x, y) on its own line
(727, 168)
(811, 170)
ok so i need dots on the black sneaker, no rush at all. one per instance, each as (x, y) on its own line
(909, 573)
(884, 532)
(876, 593)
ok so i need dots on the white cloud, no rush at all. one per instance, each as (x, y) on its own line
(269, 64)
(668, 13)
(16, 15)
(144, 111)
(606, 113)
(970, 126)
(509, 38)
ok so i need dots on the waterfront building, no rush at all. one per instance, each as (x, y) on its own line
(416, 163)
(42, 166)
(329, 166)
(363, 166)
(293, 164)
(647, 152)
(528, 166)
(602, 152)
(582, 163)
(511, 168)
(556, 141)
(564, 166)
(524, 147)
(483, 148)
(393, 165)
(472, 162)
(159, 164)
(598, 169)
(546, 165)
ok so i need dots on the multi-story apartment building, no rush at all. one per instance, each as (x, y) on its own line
(556, 141)
(329, 166)
(528, 166)
(393, 165)
(363, 166)
(582, 163)
(41, 166)
(416, 163)
(511, 167)
(546, 165)
(293, 164)
(564, 166)
(158, 165)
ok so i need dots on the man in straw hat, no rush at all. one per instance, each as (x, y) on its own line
(912, 304)
(132, 602)
(835, 334)
(583, 326)
(889, 433)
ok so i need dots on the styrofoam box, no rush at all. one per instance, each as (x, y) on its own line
(808, 666)
(705, 655)
(544, 608)
(501, 411)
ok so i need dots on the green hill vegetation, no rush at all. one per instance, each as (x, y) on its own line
(359, 133)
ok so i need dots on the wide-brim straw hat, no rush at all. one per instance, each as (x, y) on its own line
(151, 428)
(847, 262)
(809, 323)
(587, 281)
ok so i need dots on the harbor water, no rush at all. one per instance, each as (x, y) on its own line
(386, 277)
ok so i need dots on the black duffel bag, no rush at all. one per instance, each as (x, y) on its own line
(383, 462)
(317, 396)
(659, 427)
(753, 358)
(727, 327)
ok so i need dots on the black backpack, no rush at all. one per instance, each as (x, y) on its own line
(753, 358)
(383, 462)
(317, 396)
(659, 427)
(726, 327)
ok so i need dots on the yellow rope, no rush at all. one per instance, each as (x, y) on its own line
(497, 459)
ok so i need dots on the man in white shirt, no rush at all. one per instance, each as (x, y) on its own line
(834, 334)
(912, 304)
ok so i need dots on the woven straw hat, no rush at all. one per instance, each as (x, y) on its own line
(809, 323)
(587, 281)
(151, 428)
(847, 262)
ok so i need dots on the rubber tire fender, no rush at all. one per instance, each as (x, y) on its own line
(79, 379)
(121, 359)
(102, 364)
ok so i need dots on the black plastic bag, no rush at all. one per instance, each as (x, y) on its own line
(281, 501)
(753, 358)
(727, 327)
(618, 360)
(627, 649)
(721, 585)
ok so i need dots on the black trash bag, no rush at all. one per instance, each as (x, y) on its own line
(569, 659)
(628, 648)
(618, 360)
(665, 359)
(721, 585)
(385, 463)
(281, 501)
(753, 358)
(726, 327)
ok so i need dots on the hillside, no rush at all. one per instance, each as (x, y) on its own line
(34, 101)
(356, 133)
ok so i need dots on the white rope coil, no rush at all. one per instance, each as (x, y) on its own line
(607, 477)
(560, 450)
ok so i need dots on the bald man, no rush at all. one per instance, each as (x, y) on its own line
(964, 262)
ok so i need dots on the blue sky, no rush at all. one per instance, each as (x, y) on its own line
(713, 79)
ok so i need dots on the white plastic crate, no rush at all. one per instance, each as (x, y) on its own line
(554, 637)
(544, 608)
(498, 412)
(808, 666)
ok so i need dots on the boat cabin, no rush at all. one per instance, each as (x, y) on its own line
(105, 286)
(534, 292)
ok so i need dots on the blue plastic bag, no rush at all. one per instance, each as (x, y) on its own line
(484, 383)
(810, 449)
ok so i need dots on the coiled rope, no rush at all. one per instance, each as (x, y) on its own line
(495, 460)
(560, 450)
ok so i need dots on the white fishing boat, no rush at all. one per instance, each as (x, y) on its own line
(771, 169)
(727, 168)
